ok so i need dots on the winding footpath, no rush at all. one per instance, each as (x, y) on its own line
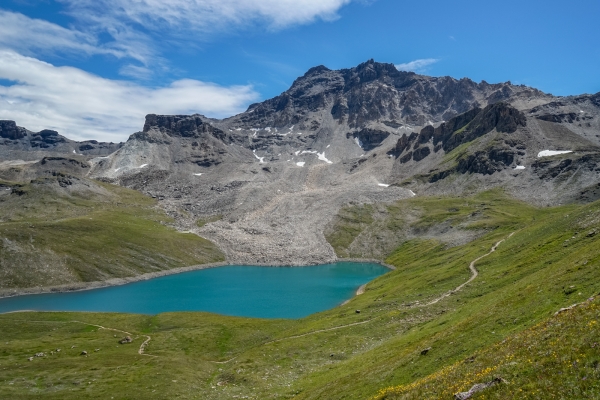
(319, 331)
(141, 350)
(474, 274)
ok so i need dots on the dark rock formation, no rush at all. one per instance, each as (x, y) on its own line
(403, 143)
(464, 128)
(370, 138)
(420, 153)
(15, 138)
(501, 116)
(182, 125)
(10, 130)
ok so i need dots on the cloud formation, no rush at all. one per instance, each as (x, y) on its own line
(417, 65)
(204, 15)
(39, 37)
(84, 106)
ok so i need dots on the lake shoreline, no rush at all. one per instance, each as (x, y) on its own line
(81, 286)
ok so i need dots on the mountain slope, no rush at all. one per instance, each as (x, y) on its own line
(58, 228)
(280, 171)
(274, 176)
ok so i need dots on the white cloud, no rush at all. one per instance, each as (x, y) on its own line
(83, 106)
(417, 65)
(35, 36)
(135, 71)
(204, 15)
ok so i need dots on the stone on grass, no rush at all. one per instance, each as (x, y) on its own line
(126, 339)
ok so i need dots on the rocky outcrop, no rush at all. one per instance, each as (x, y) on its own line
(499, 116)
(10, 130)
(186, 126)
(403, 143)
(46, 138)
(563, 168)
(369, 138)
(14, 138)
(462, 129)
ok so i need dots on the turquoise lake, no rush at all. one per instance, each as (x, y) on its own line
(249, 291)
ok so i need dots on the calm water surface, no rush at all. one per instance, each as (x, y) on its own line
(264, 292)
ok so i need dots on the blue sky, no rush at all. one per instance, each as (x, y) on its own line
(93, 69)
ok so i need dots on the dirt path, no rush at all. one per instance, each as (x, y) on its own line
(224, 362)
(474, 274)
(142, 347)
(320, 330)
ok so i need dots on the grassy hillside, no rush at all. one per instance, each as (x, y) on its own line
(501, 324)
(87, 231)
(557, 358)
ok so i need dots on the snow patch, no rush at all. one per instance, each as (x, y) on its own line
(300, 164)
(383, 185)
(261, 160)
(116, 170)
(198, 174)
(520, 167)
(323, 158)
(268, 129)
(143, 165)
(74, 152)
(327, 146)
(358, 142)
(297, 152)
(412, 193)
(547, 153)
(238, 129)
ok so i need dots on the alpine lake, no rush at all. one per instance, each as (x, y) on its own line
(248, 291)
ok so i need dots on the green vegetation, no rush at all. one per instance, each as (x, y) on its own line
(51, 236)
(350, 223)
(203, 221)
(557, 358)
(501, 324)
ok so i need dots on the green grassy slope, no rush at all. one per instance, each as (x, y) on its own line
(550, 262)
(49, 236)
(556, 359)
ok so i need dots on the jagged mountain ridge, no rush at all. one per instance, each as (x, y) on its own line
(278, 172)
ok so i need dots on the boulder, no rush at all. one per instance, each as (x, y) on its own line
(126, 339)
